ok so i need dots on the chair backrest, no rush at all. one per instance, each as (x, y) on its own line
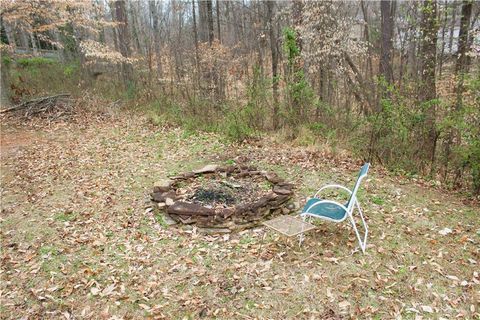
(361, 175)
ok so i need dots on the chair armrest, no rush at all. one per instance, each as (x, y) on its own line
(331, 186)
(326, 201)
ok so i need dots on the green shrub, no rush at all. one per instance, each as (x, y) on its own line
(35, 62)
(236, 126)
(6, 60)
(71, 69)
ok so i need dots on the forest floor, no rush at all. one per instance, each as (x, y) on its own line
(78, 240)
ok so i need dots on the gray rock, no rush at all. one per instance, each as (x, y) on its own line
(282, 190)
(272, 177)
(189, 209)
(168, 220)
(162, 185)
(162, 196)
(207, 169)
(285, 210)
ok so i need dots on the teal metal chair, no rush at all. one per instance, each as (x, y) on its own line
(337, 212)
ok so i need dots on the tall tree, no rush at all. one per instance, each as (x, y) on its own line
(203, 20)
(461, 67)
(387, 9)
(211, 35)
(274, 52)
(462, 63)
(453, 24)
(195, 36)
(427, 89)
(154, 15)
(217, 8)
(123, 40)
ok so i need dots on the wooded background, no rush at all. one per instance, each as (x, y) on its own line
(393, 82)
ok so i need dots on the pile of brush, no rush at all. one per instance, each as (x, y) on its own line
(51, 107)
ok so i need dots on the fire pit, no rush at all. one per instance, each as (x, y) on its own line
(223, 198)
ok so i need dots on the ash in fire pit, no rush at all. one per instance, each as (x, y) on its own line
(230, 198)
(213, 196)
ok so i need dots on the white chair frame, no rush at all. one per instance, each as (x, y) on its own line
(348, 212)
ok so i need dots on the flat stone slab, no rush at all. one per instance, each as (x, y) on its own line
(289, 225)
(207, 169)
(168, 220)
(169, 196)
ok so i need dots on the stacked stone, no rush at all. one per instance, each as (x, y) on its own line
(238, 217)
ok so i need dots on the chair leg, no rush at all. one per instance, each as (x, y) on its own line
(365, 226)
(304, 218)
(363, 244)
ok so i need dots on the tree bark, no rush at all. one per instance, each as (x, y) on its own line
(462, 59)
(195, 37)
(428, 92)
(217, 7)
(452, 27)
(211, 34)
(154, 14)
(124, 40)
(387, 8)
(461, 68)
(274, 53)
(412, 59)
(203, 21)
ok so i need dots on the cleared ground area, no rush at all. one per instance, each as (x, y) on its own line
(78, 240)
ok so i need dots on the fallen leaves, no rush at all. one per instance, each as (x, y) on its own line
(344, 304)
(427, 309)
(108, 257)
(445, 231)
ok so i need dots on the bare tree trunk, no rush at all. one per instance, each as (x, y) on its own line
(412, 60)
(34, 44)
(203, 20)
(387, 8)
(452, 27)
(124, 40)
(211, 35)
(463, 60)
(195, 37)
(154, 13)
(370, 54)
(114, 29)
(217, 7)
(297, 16)
(441, 57)
(273, 49)
(228, 25)
(461, 68)
(428, 92)
(401, 67)
(133, 28)
(257, 24)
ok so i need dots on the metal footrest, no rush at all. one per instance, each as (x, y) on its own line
(288, 225)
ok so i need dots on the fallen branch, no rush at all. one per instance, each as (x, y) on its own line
(52, 106)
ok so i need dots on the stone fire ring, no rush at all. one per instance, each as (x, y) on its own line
(239, 217)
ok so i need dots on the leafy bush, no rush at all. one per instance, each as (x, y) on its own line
(237, 126)
(71, 69)
(6, 60)
(35, 62)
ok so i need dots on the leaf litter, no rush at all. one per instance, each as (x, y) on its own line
(78, 241)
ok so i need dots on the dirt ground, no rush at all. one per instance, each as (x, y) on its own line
(79, 241)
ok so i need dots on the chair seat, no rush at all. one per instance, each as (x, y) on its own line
(327, 210)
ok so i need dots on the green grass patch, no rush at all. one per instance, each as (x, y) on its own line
(66, 216)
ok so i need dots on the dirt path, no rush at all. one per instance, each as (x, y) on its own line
(78, 240)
